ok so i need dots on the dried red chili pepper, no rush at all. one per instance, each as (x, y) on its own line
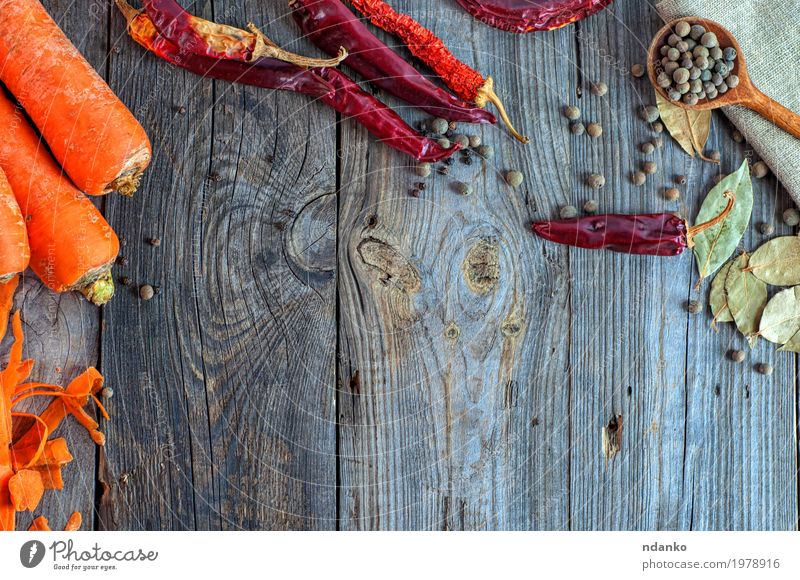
(531, 15)
(329, 85)
(655, 234)
(466, 82)
(330, 25)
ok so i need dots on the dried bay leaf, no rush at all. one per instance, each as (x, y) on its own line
(689, 128)
(793, 344)
(781, 319)
(747, 297)
(777, 262)
(714, 246)
(718, 299)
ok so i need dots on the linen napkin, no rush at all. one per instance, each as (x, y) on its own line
(769, 34)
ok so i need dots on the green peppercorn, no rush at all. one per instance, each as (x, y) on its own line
(514, 178)
(599, 88)
(594, 130)
(572, 112)
(764, 369)
(423, 169)
(672, 194)
(649, 114)
(766, 229)
(791, 217)
(694, 307)
(439, 126)
(683, 28)
(760, 169)
(638, 178)
(591, 206)
(577, 128)
(737, 356)
(637, 70)
(595, 181)
(649, 167)
(568, 212)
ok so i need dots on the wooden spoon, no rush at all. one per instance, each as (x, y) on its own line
(745, 93)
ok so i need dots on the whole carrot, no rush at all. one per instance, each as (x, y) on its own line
(14, 251)
(93, 135)
(72, 245)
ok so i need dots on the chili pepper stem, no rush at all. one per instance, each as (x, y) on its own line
(486, 95)
(128, 11)
(266, 48)
(692, 231)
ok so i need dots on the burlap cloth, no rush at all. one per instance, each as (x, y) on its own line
(769, 33)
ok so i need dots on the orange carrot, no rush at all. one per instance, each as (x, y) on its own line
(14, 250)
(72, 245)
(92, 134)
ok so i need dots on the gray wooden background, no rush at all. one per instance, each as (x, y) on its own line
(327, 352)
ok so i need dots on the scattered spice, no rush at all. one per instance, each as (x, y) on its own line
(672, 194)
(599, 88)
(485, 151)
(638, 178)
(737, 136)
(414, 192)
(737, 356)
(764, 368)
(146, 292)
(595, 181)
(649, 167)
(464, 188)
(649, 114)
(766, 229)
(694, 307)
(658, 142)
(591, 206)
(658, 127)
(577, 128)
(568, 212)
(474, 140)
(443, 170)
(637, 70)
(452, 125)
(791, 217)
(462, 140)
(680, 179)
(594, 129)
(107, 392)
(439, 126)
(444, 143)
(423, 169)
(514, 178)
(572, 112)
(760, 169)
(647, 148)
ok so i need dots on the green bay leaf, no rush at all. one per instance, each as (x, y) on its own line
(718, 299)
(689, 128)
(781, 318)
(747, 297)
(714, 246)
(777, 262)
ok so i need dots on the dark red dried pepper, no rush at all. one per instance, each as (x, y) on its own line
(466, 82)
(655, 234)
(329, 85)
(531, 15)
(330, 25)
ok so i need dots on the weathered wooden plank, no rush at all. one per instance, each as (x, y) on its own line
(61, 331)
(224, 398)
(452, 404)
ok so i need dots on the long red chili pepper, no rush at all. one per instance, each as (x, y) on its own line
(466, 82)
(655, 234)
(530, 15)
(330, 25)
(329, 85)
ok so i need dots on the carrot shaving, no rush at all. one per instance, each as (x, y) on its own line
(6, 301)
(33, 462)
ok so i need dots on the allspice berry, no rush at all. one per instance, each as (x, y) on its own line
(649, 167)
(577, 128)
(594, 129)
(146, 292)
(595, 181)
(444, 143)
(694, 307)
(514, 178)
(568, 212)
(737, 136)
(107, 392)
(737, 356)
(599, 88)
(423, 169)
(647, 148)
(485, 151)
(474, 141)
(638, 178)
(791, 217)
(464, 188)
(715, 155)
(672, 194)
(637, 70)
(591, 206)
(766, 229)
(764, 368)
(572, 112)
(440, 126)
(658, 127)
(680, 179)
(462, 140)
(649, 113)
(760, 169)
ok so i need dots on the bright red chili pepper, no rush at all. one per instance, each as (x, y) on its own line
(655, 234)
(531, 15)
(329, 85)
(466, 82)
(330, 25)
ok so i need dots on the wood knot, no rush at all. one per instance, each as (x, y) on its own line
(452, 332)
(511, 327)
(482, 266)
(392, 267)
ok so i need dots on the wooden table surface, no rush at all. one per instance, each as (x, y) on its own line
(327, 352)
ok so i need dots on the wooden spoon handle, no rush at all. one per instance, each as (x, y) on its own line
(774, 112)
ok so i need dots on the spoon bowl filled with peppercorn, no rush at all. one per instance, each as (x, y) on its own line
(697, 64)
